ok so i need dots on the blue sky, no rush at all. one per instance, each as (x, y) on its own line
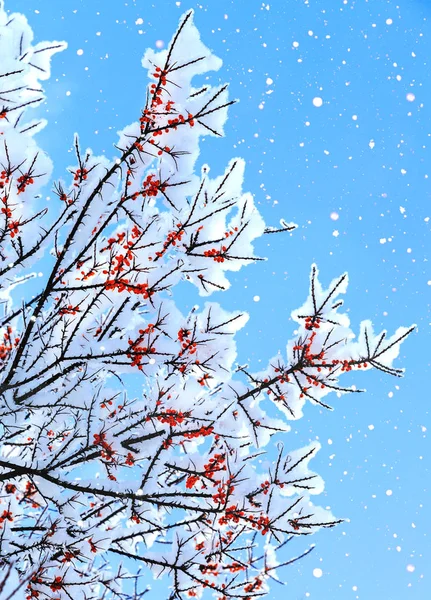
(363, 157)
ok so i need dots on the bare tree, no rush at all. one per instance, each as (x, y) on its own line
(97, 487)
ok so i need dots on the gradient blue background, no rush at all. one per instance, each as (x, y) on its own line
(303, 173)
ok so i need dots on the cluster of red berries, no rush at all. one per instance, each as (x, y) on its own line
(69, 310)
(100, 440)
(6, 211)
(6, 516)
(232, 513)
(130, 461)
(151, 186)
(312, 323)
(262, 523)
(13, 228)
(4, 179)
(79, 176)
(216, 254)
(23, 182)
(203, 431)
(7, 346)
(171, 417)
(138, 354)
(214, 465)
(63, 197)
(123, 284)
